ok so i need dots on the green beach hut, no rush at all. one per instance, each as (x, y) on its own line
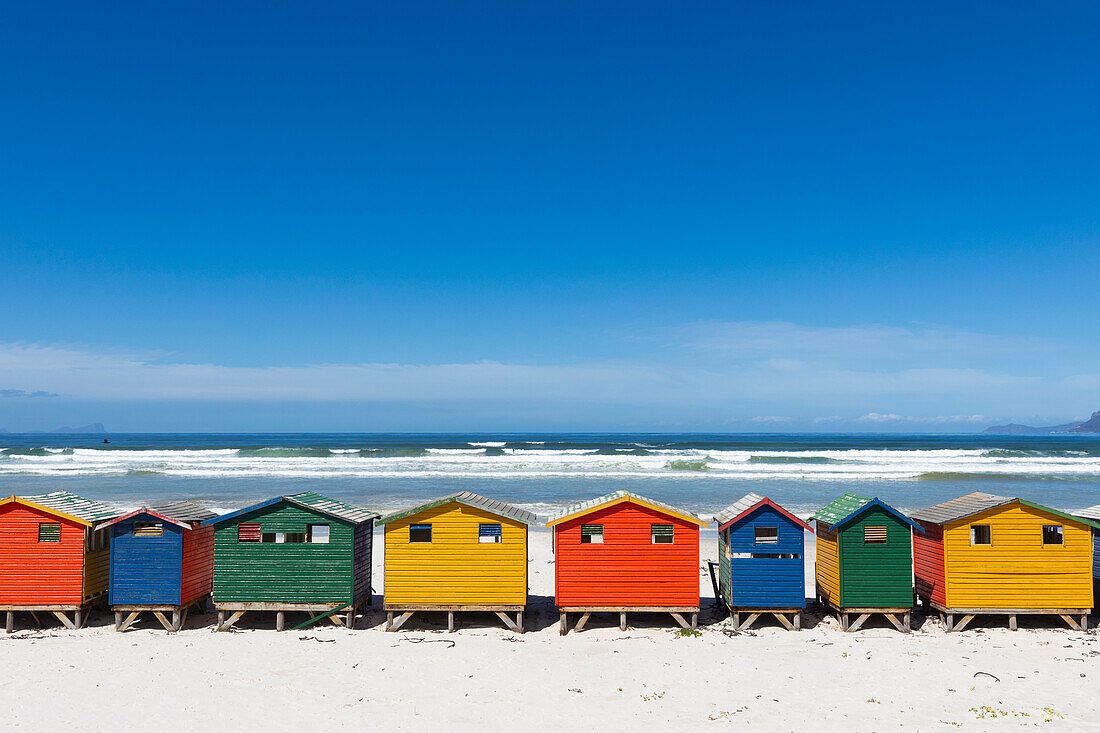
(865, 561)
(303, 552)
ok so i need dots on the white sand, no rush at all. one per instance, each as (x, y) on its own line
(600, 679)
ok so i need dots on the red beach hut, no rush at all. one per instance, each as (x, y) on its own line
(624, 553)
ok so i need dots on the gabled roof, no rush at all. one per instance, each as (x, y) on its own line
(620, 497)
(1092, 512)
(977, 502)
(67, 505)
(833, 514)
(179, 513)
(470, 499)
(742, 508)
(963, 506)
(309, 500)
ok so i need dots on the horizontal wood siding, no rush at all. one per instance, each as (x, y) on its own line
(145, 570)
(37, 573)
(363, 549)
(454, 568)
(928, 563)
(97, 572)
(197, 564)
(627, 569)
(263, 572)
(1017, 570)
(827, 569)
(724, 567)
(873, 575)
(768, 582)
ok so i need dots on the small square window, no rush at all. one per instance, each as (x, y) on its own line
(488, 534)
(981, 534)
(420, 533)
(290, 538)
(248, 533)
(148, 529)
(317, 534)
(1052, 534)
(661, 534)
(767, 535)
(874, 535)
(591, 534)
(49, 532)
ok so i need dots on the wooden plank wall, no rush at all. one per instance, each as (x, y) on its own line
(37, 573)
(362, 550)
(877, 576)
(145, 570)
(768, 582)
(1017, 570)
(627, 569)
(197, 574)
(827, 570)
(263, 572)
(928, 563)
(454, 568)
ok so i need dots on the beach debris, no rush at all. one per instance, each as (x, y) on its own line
(314, 638)
(653, 696)
(422, 640)
(575, 689)
(514, 639)
(987, 674)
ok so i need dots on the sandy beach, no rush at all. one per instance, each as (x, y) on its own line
(484, 677)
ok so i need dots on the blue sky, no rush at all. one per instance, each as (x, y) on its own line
(519, 216)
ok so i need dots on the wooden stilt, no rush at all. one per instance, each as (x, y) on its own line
(78, 618)
(228, 624)
(280, 620)
(221, 619)
(118, 620)
(351, 619)
(1012, 622)
(563, 624)
(622, 620)
(797, 621)
(64, 619)
(519, 621)
(159, 615)
(177, 619)
(855, 626)
(582, 620)
(680, 620)
(10, 626)
(451, 621)
(782, 618)
(694, 620)
(393, 624)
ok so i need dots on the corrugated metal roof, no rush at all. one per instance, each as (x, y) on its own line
(468, 498)
(959, 507)
(737, 508)
(184, 511)
(76, 506)
(332, 506)
(584, 506)
(840, 508)
(1092, 512)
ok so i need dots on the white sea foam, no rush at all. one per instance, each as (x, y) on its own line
(668, 463)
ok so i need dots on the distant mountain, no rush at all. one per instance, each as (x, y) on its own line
(1092, 425)
(3, 432)
(96, 427)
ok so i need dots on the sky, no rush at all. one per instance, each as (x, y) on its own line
(422, 217)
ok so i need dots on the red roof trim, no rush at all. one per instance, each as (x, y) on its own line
(760, 504)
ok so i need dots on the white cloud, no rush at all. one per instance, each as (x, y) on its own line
(877, 417)
(770, 419)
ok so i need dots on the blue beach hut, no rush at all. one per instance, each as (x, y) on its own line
(161, 561)
(761, 551)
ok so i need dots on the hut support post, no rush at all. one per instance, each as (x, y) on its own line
(351, 618)
(582, 621)
(622, 620)
(64, 619)
(393, 624)
(1012, 622)
(516, 625)
(855, 625)
(10, 626)
(798, 621)
(680, 620)
(226, 624)
(782, 618)
(563, 624)
(280, 620)
(450, 622)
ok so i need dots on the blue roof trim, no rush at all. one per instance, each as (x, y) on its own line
(873, 503)
(233, 515)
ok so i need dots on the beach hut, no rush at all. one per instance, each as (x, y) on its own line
(865, 561)
(624, 553)
(162, 561)
(303, 552)
(462, 552)
(983, 554)
(52, 559)
(1092, 514)
(761, 562)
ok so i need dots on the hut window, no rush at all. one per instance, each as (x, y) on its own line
(488, 533)
(874, 535)
(248, 533)
(1052, 534)
(767, 535)
(284, 538)
(148, 529)
(96, 541)
(420, 533)
(318, 534)
(981, 534)
(49, 532)
(591, 534)
(661, 534)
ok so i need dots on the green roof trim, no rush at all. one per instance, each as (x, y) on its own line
(469, 499)
(1063, 515)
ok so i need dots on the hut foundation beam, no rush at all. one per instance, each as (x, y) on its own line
(901, 624)
(782, 618)
(512, 626)
(393, 624)
(748, 622)
(227, 623)
(680, 620)
(125, 624)
(582, 621)
(855, 625)
(168, 625)
(64, 619)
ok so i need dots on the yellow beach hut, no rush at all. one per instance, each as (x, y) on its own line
(462, 552)
(982, 554)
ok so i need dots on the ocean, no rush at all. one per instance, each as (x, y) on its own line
(701, 472)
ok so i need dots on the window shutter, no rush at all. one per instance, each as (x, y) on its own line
(591, 529)
(874, 535)
(662, 529)
(488, 530)
(49, 532)
(148, 529)
(248, 533)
